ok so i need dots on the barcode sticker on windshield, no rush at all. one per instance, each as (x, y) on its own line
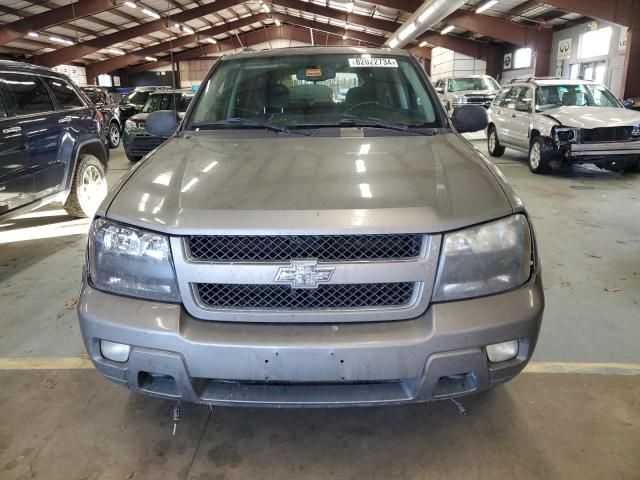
(373, 62)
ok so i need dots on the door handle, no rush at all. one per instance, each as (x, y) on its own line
(66, 119)
(513, 115)
(12, 130)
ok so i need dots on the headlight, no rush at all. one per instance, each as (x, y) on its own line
(130, 125)
(131, 261)
(486, 259)
(565, 134)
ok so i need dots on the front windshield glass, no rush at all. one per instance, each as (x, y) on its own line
(167, 101)
(472, 83)
(137, 98)
(583, 95)
(315, 90)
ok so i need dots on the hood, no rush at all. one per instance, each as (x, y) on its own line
(208, 183)
(142, 117)
(594, 117)
(479, 93)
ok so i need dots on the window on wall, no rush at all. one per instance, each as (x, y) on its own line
(522, 58)
(595, 43)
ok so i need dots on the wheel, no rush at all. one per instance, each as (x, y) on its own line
(114, 135)
(133, 158)
(88, 189)
(493, 144)
(632, 168)
(539, 156)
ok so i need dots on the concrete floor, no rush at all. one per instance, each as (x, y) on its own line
(539, 426)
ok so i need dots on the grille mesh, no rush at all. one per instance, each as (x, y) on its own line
(360, 295)
(321, 247)
(606, 134)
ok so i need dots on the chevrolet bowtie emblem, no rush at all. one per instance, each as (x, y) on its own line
(304, 274)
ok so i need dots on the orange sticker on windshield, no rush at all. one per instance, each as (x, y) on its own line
(314, 72)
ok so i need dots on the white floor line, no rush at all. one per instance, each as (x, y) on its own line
(78, 363)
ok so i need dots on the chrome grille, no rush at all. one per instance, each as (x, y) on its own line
(332, 296)
(321, 247)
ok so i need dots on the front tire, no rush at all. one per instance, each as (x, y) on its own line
(632, 168)
(88, 189)
(133, 158)
(493, 144)
(539, 156)
(114, 135)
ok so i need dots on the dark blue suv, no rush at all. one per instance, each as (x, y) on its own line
(52, 143)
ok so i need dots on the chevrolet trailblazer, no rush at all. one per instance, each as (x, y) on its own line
(289, 247)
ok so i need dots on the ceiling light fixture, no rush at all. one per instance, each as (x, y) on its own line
(423, 44)
(265, 7)
(187, 30)
(446, 30)
(350, 7)
(34, 34)
(151, 59)
(278, 23)
(63, 41)
(151, 13)
(115, 51)
(486, 6)
(212, 41)
(130, 4)
(344, 37)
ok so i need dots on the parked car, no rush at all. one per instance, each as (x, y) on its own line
(136, 139)
(51, 143)
(276, 252)
(467, 90)
(109, 109)
(564, 121)
(133, 102)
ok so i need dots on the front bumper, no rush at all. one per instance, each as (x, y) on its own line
(437, 355)
(589, 152)
(138, 143)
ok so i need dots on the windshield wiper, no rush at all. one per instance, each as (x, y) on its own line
(241, 122)
(378, 123)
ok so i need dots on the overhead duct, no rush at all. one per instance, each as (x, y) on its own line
(430, 13)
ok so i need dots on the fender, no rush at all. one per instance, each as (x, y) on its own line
(75, 154)
(552, 118)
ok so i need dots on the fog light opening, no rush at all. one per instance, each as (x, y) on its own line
(501, 352)
(116, 352)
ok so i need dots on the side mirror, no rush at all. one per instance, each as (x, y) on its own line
(439, 90)
(470, 118)
(628, 104)
(162, 123)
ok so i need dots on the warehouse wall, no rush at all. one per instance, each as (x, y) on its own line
(447, 63)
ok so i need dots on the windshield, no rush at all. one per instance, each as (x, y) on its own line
(554, 96)
(472, 83)
(314, 90)
(167, 101)
(137, 98)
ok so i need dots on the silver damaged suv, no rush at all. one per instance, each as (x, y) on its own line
(292, 246)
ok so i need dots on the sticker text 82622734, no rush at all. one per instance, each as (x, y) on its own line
(373, 62)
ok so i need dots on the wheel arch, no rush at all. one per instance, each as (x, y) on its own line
(92, 147)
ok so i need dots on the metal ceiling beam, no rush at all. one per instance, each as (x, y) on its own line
(74, 52)
(376, 40)
(39, 21)
(622, 12)
(353, 18)
(499, 29)
(248, 39)
(116, 63)
(404, 5)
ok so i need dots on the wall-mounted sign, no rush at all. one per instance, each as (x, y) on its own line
(622, 42)
(592, 26)
(508, 61)
(564, 49)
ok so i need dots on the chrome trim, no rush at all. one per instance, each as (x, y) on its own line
(420, 270)
(608, 148)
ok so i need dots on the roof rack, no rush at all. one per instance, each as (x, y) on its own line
(533, 79)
